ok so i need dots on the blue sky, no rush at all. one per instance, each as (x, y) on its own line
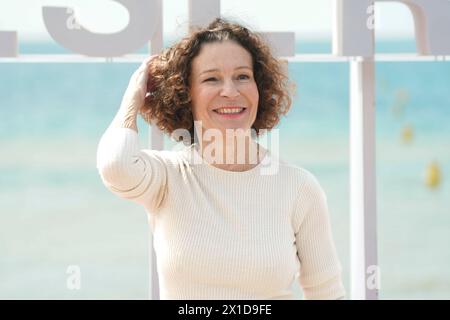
(309, 19)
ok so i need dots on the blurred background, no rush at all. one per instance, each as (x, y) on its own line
(55, 211)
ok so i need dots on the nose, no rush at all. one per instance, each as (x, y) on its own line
(229, 89)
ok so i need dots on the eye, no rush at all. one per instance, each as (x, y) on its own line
(210, 79)
(243, 77)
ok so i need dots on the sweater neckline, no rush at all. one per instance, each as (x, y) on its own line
(198, 159)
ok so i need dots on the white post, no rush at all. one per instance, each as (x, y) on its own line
(156, 143)
(363, 236)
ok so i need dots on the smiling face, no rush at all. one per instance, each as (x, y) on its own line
(222, 83)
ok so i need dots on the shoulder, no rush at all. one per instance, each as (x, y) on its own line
(309, 193)
(305, 180)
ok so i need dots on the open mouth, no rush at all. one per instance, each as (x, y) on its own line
(230, 112)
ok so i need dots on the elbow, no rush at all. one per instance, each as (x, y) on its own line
(126, 177)
(119, 162)
(117, 173)
(111, 172)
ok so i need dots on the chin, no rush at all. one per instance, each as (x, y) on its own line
(236, 128)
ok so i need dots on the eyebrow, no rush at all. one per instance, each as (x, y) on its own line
(212, 70)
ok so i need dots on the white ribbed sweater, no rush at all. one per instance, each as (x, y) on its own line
(222, 234)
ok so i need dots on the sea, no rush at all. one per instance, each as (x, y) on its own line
(63, 235)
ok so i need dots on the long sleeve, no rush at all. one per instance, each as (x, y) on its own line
(129, 172)
(215, 236)
(320, 269)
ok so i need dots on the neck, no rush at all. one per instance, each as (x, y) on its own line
(238, 154)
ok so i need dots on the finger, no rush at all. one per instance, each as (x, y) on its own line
(147, 61)
(140, 76)
(139, 72)
(143, 68)
(143, 77)
(150, 58)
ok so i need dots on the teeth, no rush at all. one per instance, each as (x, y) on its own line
(229, 110)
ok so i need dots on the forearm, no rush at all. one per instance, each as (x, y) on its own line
(320, 275)
(133, 98)
(126, 117)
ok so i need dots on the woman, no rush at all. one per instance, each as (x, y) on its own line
(221, 229)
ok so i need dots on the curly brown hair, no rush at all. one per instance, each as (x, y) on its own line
(169, 105)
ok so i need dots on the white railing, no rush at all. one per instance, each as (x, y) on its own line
(137, 58)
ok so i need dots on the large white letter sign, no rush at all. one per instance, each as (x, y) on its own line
(64, 29)
(282, 44)
(9, 46)
(431, 25)
(202, 12)
(353, 35)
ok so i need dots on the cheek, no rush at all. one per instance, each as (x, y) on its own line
(254, 94)
(201, 96)
(195, 100)
(199, 107)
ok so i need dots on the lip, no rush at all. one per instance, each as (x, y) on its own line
(231, 115)
(230, 106)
